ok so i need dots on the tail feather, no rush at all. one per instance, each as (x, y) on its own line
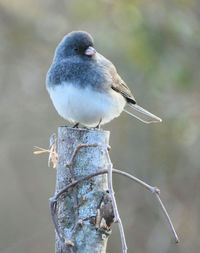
(143, 115)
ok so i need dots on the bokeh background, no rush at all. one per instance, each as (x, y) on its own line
(155, 46)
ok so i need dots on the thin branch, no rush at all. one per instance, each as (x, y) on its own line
(64, 241)
(57, 228)
(78, 148)
(53, 201)
(156, 193)
(114, 204)
(168, 218)
(65, 189)
(137, 180)
(154, 190)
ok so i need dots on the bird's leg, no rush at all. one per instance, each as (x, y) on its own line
(76, 125)
(99, 124)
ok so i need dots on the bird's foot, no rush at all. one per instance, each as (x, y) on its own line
(76, 125)
(99, 124)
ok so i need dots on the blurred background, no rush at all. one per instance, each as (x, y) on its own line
(155, 46)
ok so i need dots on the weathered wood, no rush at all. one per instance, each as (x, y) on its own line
(83, 201)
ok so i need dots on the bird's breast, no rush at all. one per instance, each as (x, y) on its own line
(84, 104)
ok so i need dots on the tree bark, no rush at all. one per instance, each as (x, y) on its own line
(78, 209)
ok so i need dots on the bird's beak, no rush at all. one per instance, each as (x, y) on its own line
(90, 51)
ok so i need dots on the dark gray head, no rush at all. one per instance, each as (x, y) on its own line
(76, 43)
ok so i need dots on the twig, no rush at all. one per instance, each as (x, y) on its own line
(115, 209)
(78, 147)
(53, 201)
(52, 154)
(167, 217)
(59, 232)
(156, 193)
(154, 190)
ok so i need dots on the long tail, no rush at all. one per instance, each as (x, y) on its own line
(143, 115)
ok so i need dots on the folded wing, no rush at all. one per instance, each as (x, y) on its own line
(133, 109)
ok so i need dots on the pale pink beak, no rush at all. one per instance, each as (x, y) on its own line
(90, 51)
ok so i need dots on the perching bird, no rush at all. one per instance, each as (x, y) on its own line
(85, 87)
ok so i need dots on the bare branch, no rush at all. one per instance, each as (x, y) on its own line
(154, 190)
(156, 193)
(115, 209)
(168, 218)
(53, 201)
(77, 149)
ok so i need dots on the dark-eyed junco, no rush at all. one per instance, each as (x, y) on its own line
(85, 87)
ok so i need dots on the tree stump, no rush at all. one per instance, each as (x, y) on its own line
(79, 209)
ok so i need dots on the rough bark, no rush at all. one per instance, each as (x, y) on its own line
(89, 198)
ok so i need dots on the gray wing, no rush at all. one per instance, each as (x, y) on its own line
(135, 110)
(120, 86)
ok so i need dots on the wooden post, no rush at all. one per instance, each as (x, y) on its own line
(78, 208)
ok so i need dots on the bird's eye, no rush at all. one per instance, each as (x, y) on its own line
(76, 49)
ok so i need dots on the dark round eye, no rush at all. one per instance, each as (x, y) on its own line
(76, 49)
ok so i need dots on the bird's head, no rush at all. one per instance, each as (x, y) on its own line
(76, 43)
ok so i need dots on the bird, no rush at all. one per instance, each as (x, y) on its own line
(85, 87)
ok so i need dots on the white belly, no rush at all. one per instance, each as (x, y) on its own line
(85, 105)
